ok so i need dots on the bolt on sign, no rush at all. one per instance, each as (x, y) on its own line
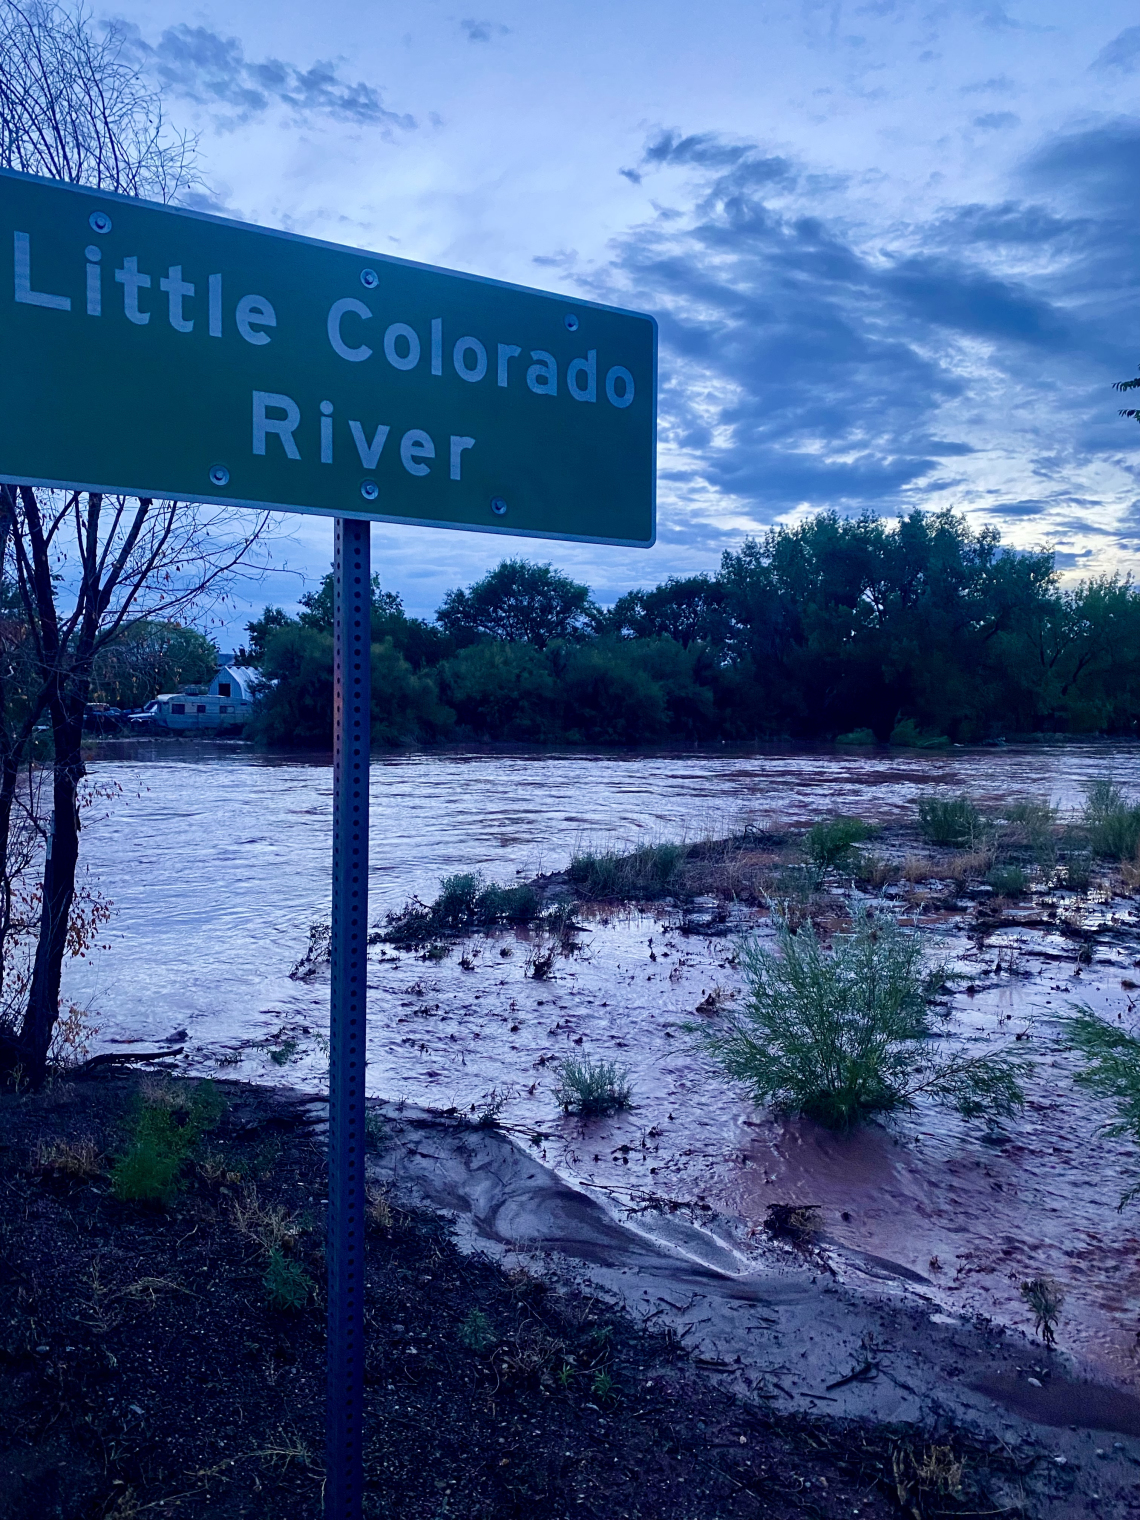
(163, 352)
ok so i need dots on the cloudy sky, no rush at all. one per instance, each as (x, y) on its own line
(891, 245)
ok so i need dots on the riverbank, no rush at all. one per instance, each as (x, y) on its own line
(157, 1360)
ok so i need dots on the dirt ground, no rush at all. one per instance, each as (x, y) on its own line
(146, 1371)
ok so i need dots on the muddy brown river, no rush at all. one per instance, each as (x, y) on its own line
(217, 861)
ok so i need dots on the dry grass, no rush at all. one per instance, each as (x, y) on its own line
(76, 1160)
(272, 1227)
(377, 1210)
(972, 865)
(918, 868)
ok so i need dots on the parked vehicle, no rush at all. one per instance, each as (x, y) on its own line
(223, 706)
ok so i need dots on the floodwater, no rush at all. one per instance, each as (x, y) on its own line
(217, 861)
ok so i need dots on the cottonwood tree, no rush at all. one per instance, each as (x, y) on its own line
(85, 567)
(88, 568)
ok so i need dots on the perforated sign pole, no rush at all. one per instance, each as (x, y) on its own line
(345, 1241)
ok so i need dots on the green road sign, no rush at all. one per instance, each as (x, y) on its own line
(154, 351)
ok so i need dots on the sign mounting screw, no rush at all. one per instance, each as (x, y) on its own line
(99, 221)
(219, 475)
(369, 490)
(571, 322)
(498, 505)
(369, 279)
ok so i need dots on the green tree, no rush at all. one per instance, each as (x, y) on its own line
(520, 603)
(149, 657)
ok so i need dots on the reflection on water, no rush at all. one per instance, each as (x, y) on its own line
(217, 861)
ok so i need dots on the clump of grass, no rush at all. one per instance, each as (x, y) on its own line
(1007, 881)
(475, 1333)
(1111, 1058)
(69, 1160)
(949, 820)
(466, 901)
(797, 1222)
(1111, 820)
(857, 736)
(167, 1126)
(272, 1227)
(377, 1135)
(377, 1210)
(287, 1284)
(841, 1034)
(1078, 873)
(972, 865)
(831, 842)
(592, 1088)
(875, 870)
(1045, 1298)
(610, 875)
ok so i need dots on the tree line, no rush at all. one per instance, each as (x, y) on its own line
(923, 630)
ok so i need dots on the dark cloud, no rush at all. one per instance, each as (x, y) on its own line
(483, 31)
(201, 65)
(1121, 53)
(994, 121)
(802, 367)
(1000, 84)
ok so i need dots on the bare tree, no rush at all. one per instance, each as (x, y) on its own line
(75, 107)
(87, 566)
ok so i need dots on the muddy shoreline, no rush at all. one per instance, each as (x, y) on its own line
(145, 1369)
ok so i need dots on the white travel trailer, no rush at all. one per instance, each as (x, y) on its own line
(223, 706)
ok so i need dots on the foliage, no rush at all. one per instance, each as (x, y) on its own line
(920, 630)
(295, 701)
(1007, 881)
(1045, 1298)
(635, 875)
(151, 657)
(167, 1126)
(519, 603)
(1111, 1058)
(841, 1034)
(1111, 820)
(287, 1284)
(466, 901)
(949, 820)
(831, 842)
(75, 105)
(592, 1088)
(1128, 385)
(475, 1333)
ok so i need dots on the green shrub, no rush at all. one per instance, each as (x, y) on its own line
(466, 901)
(1045, 1299)
(841, 1034)
(949, 820)
(475, 1333)
(1007, 881)
(906, 734)
(167, 1126)
(832, 841)
(857, 736)
(639, 874)
(287, 1284)
(591, 1088)
(1111, 1057)
(1111, 820)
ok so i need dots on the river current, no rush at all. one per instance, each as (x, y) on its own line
(217, 861)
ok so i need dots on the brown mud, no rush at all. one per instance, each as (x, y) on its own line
(145, 1372)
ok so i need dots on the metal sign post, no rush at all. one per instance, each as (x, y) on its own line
(168, 353)
(352, 656)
